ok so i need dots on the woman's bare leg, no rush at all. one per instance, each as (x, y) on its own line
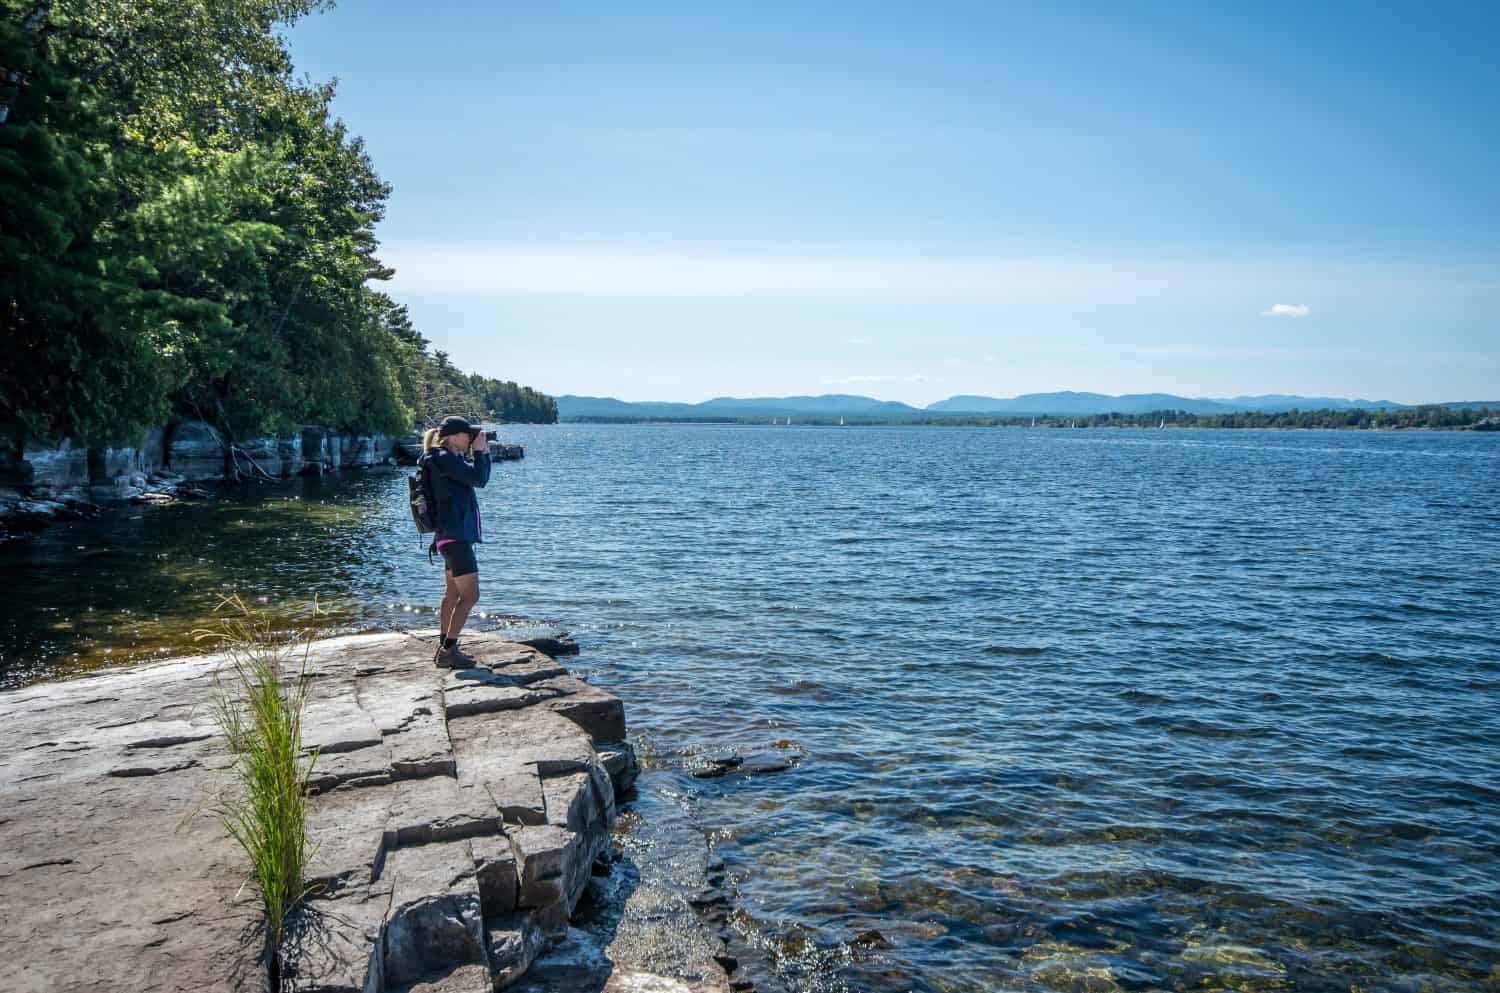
(450, 602)
(467, 588)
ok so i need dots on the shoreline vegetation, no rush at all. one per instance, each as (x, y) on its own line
(1429, 418)
(187, 234)
(258, 702)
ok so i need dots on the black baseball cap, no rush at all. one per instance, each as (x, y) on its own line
(456, 425)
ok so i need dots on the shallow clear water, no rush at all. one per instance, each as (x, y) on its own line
(1071, 709)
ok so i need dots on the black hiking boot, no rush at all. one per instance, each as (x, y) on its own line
(455, 658)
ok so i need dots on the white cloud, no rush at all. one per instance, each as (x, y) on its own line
(952, 361)
(858, 340)
(1287, 310)
(989, 358)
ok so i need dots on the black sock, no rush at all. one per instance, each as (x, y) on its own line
(449, 642)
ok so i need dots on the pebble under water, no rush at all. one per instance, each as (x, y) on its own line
(1079, 710)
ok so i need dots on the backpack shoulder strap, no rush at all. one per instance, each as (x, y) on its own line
(424, 464)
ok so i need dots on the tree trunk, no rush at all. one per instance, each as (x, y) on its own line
(14, 78)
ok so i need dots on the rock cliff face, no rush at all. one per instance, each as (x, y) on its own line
(458, 818)
(63, 480)
(195, 450)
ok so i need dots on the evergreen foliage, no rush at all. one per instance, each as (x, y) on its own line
(186, 230)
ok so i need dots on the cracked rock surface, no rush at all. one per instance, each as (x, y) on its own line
(458, 819)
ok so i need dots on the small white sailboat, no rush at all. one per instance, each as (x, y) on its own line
(1163, 423)
(841, 422)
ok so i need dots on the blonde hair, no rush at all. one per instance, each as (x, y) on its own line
(429, 439)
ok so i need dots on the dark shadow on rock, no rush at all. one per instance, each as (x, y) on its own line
(324, 947)
(252, 967)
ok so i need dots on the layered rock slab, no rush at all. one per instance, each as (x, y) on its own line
(456, 817)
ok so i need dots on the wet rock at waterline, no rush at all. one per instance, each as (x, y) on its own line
(457, 825)
(195, 449)
(555, 646)
(761, 762)
(61, 481)
(658, 911)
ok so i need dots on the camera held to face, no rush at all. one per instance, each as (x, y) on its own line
(492, 435)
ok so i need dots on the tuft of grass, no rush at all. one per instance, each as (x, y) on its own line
(258, 703)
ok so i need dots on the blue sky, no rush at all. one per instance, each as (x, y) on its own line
(912, 201)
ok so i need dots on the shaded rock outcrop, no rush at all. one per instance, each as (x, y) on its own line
(196, 450)
(458, 819)
(48, 481)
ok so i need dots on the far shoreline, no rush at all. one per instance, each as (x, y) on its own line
(1478, 428)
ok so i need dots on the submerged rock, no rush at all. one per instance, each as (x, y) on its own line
(871, 939)
(767, 762)
(760, 762)
(717, 765)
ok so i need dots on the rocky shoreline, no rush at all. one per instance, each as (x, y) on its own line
(42, 483)
(462, 820)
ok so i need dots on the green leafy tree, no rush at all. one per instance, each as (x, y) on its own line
(185, 229)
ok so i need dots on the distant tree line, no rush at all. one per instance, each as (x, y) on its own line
(187, 231)
(1481, 418)
(1360, 417)
(1435, 417)
(451, 391)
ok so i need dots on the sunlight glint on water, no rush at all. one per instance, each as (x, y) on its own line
(1080, 710)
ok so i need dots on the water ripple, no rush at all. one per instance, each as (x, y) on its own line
(1083, 710)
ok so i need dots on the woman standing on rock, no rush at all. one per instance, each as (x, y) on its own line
(454, 480)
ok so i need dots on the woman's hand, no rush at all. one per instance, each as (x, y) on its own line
(481, 442)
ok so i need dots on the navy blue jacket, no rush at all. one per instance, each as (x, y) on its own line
(453, 483)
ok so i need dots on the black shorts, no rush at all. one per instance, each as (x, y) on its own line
(458, 557)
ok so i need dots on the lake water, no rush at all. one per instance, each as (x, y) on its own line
(1070, 709)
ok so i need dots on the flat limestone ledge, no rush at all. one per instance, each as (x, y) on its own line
(457, 818)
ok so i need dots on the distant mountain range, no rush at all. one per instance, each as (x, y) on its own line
(845, 405)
